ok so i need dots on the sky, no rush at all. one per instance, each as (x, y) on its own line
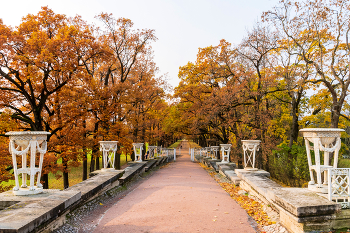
(181, 26)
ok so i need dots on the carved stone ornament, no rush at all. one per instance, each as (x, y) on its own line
(108, 149)
(328, 141)
(138, 147)
(20, 144)
(225, 152)
(250, 147)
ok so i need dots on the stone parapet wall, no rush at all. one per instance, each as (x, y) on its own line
(46, 211)
(299, 209)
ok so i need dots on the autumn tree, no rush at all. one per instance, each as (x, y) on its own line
(320, 30)
(37, 59)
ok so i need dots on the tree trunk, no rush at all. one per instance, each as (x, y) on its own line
(45, 179)
(92, 164)
(65, 175)
(117, 160)
(85, 153)
(85, 166)
(97, 160)
(132, 156)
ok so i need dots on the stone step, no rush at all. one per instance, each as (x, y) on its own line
(150, 164)
(133, 169)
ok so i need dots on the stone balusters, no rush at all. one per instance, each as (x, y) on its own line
(225, 152)
(108, 149)
(215, 150)
(151, 150)
(20, 144)
(328, 141)
(250, 147)
(138, 147)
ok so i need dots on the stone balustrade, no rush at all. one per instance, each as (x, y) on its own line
(20, 144)
(108, 149)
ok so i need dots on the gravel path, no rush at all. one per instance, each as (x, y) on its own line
(179, 198)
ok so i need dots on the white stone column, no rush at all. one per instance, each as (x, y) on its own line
(328, 141)
(250, 147)
(138, 147)
(225, 152)
(151, 150)
(108, 149)
(215, 150)
(20, 144)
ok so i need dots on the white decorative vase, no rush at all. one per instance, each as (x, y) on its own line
(207, 152)
(250, 147)
(138, 147)
(328, 141)
(108, 149)
(215, 150)
(20, 144)
(225, 152)
(152, 150)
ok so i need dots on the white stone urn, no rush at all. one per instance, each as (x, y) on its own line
(250, 147)
(20, 144)
(207, 152)
(159, 150)
(108, 149)
(225, 152)
(138, 147)
(215, 150)
(152, 150)
(328, 141)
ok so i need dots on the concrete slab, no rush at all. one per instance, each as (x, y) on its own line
(150, 163)
(231, 175)
(213, 164)
(97, 183)
(30, 212)
(241, 172)
(132, 169)
(302, 202)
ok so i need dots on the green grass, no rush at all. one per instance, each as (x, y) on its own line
(175, 145)
(75, 176)
(193, 144)
(344, 163)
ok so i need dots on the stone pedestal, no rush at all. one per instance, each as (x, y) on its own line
(20, 144)
(328, 141)
(108, 149)
(225, 152)
(215, 150)
(138, 147)
(250, 147)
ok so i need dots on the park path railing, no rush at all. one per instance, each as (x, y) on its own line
(339, 186)
(170, 153)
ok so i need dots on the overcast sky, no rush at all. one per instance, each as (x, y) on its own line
(182, 26)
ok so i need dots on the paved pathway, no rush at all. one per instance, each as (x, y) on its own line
(179, 198)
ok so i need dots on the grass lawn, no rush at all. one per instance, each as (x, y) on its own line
(75, 175)
(176, 144)
(193, 144)
(344, 163)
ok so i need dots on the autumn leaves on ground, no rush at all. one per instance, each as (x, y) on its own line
(86, 84)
